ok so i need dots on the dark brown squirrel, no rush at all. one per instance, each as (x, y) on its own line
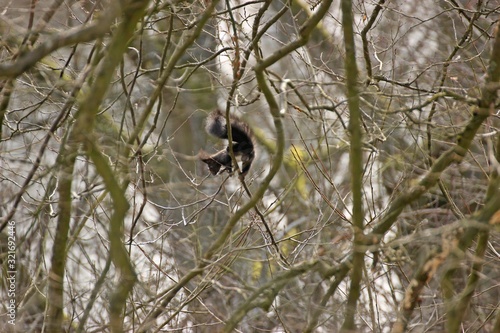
(242, 144)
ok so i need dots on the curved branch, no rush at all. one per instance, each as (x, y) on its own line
(79, 34)
(265, 295)
(305, 32)
(364, 32)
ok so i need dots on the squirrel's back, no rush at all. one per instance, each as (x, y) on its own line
(216, 125)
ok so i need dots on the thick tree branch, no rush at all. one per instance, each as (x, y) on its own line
(82, 134)
(355, 165)
(54, 312)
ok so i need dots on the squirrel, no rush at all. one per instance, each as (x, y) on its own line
(243, 144)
